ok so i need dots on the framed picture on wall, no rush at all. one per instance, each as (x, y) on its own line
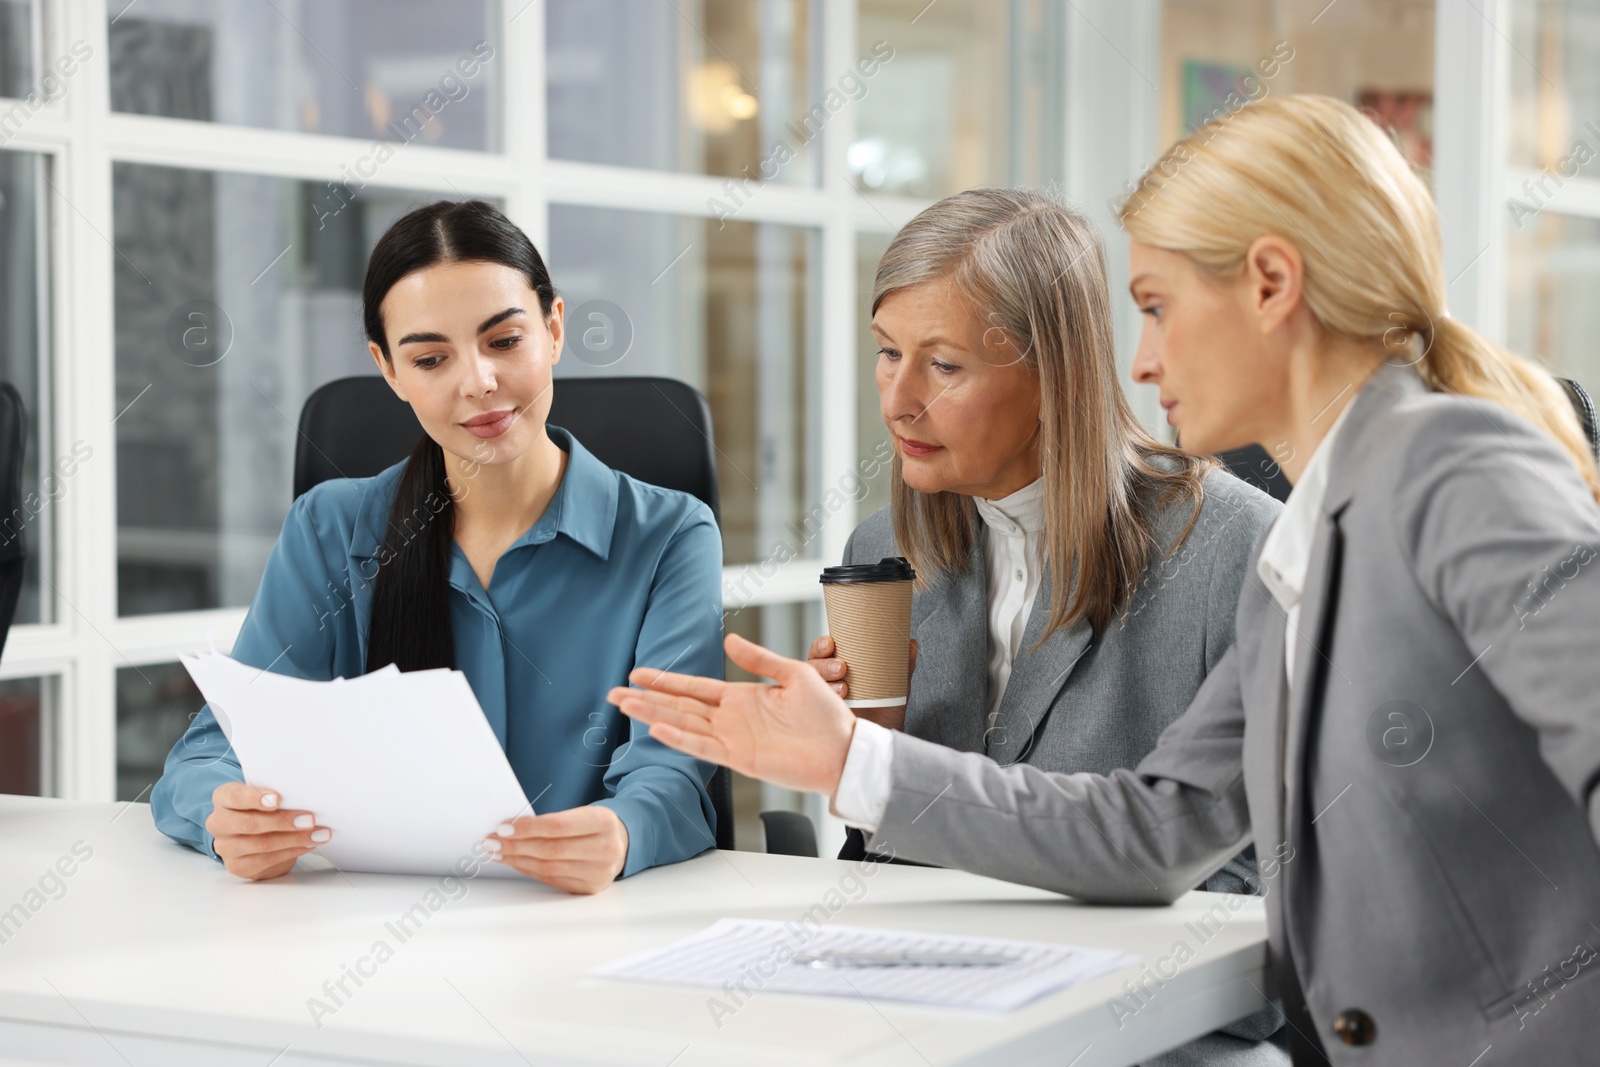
(1207, 88)
(1407, 115)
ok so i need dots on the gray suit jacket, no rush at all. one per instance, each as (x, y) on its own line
(1093, 702)
(1432, 862)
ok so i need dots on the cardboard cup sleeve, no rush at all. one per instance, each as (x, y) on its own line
(869, 619)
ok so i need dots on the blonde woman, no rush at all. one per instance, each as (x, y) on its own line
(1407, 724)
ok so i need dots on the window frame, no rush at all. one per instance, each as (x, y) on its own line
(87, 641)
(1111, 114)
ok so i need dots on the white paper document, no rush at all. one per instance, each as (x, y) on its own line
(402, 767)
(756, 954)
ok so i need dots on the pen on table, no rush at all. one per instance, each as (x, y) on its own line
(901, 959)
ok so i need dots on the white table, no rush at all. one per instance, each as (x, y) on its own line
(154, 955)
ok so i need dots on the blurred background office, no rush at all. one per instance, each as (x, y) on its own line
(189, 189)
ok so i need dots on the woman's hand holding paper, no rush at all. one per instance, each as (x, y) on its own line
(254, 837)
(580, 850)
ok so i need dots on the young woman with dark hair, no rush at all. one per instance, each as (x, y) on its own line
(501, 547)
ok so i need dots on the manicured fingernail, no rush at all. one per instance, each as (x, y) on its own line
(838, 687)
(505, 829)
(304, 822)
(491, 844)
(320, 836)
(269, 800)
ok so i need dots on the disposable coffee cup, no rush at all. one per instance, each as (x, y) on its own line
(869, 619)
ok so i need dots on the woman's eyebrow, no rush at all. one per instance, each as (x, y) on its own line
(438, 338)
(423, 338)
(935, 341)
(494, 320)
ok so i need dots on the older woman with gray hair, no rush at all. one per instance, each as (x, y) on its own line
(1077, 578)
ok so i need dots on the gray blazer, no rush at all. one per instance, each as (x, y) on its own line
(1433, 863)
(1093, 702)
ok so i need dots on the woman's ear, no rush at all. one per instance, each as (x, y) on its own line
(1275, 277)
(556, 321)
(386, 369)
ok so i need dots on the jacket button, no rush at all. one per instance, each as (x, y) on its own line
(1355, 1027)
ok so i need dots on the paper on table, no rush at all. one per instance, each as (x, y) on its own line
(402, 767)
(744, 950)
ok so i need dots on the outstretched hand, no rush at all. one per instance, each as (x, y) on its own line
(794, 734)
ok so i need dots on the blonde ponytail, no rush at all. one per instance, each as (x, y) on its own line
(1464, 362)
(1316, 171)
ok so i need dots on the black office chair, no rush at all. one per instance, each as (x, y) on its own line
(655, 429)
(1254, 465)
(13, 436)
(1586, 414)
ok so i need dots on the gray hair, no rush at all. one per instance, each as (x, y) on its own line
(1035, 269)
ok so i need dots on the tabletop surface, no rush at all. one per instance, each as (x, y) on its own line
(148, 939)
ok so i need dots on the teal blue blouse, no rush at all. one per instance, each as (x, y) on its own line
(616, 574)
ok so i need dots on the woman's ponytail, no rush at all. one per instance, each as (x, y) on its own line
(411, 595)
(1462, 361)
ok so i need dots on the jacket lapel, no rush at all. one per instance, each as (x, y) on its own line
(1266, 697)
(1037, 676)
(1314, 671)
(1296, 747)
(950, 686)
(1391, 385)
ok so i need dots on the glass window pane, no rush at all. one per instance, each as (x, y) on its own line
(968, 94)
(16, 50)
(1555, 86)
(1553, 294)
(26, 736)
(729, 308)
(1375, 54)
(717, 87)
(25, 363)
(236, 296)
(871, 434)
(383, 70)
(155, 704)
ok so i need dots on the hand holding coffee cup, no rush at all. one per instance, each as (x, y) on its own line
(822, 660)
(869, 637)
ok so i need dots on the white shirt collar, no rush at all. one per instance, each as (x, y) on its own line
(1024, 509)
(1286, 552)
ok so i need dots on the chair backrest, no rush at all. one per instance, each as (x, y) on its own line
(657, 430)
(1586, 414)
(351, 428)
(1254, 465)
(13, 436)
